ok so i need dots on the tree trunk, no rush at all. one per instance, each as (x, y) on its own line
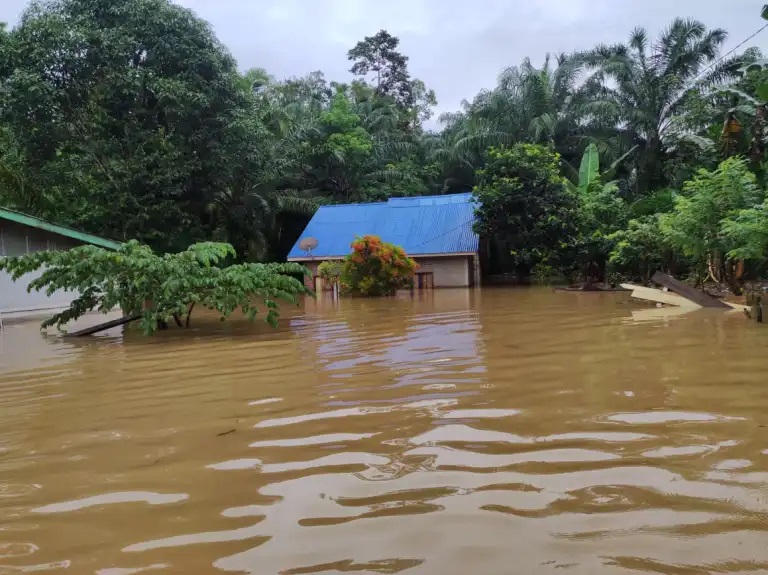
(733, 273)
(189, 314)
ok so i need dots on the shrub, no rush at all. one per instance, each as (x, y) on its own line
(330, 271)
(376, 268)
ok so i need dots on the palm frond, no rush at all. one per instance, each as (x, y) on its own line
(288, 203)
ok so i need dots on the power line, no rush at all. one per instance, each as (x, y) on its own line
(724, 56)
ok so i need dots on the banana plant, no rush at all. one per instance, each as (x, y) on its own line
(589, 171)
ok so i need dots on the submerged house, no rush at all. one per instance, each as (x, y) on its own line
(436, 231)
(21, 234)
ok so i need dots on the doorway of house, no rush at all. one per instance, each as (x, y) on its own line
(425, 281)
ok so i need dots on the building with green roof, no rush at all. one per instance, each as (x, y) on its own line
(22, 234)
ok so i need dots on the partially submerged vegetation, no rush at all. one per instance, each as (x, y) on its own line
(376, 268)
(159, 289)
(130, 120)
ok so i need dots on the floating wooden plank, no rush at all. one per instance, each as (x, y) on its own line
(660, 296)
(591, 290)
(104, 326)
(686, 291)
(659, 313)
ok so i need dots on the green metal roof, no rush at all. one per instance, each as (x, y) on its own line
(34, 222)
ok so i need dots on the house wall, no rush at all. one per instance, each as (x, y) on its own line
(448, 271)
(17, 240)
(310, 281)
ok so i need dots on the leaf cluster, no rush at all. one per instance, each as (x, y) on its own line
(159, 288)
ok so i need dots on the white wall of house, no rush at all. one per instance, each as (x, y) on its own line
(449, 271)
(16, 240)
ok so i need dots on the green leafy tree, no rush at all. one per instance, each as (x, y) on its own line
(746, 232)
(346, 137)
(340, 150)
(378, 56)
(254, 220)
(401, 179)
(543, 105)
(548, 105)
(337, 142)
(639, 249)
(525, 207)
(694, 227)
(376, 268)
(424, 101)
(158, 288)
(17, 187)
(124, 114)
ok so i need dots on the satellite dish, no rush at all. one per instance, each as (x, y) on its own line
(308, 244)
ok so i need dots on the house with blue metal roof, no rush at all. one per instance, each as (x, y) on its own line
(434, 230)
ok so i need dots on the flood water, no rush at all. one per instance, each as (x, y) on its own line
(488, 432)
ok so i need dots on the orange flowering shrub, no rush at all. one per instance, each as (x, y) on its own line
(376, 268)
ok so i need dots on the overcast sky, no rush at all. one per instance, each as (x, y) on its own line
(456, 46)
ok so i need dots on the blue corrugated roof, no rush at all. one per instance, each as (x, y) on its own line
(421, 225)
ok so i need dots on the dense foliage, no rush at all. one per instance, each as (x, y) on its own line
(159, 288)
(126, 116)
(129, 119)
(376, 268)
(524, 206)
(330, 271)
(695, 224)
(601, 214)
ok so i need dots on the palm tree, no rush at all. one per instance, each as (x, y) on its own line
(264, 196)
(255, 80)
(458, 149)
(547, 105)
(644, 85)
(253, 219)
(550, 98)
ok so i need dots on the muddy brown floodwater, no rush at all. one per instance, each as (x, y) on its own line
(485, 432)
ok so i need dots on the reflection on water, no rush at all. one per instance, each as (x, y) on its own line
(492, 432)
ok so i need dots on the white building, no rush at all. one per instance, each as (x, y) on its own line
(21, 234)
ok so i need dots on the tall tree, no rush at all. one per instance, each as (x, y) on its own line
(378, 56)
(545, 105)
(128, 113)
(646, 84)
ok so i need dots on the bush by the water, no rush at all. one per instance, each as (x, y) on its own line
(158, 288)
(330, 270)
(376, 268)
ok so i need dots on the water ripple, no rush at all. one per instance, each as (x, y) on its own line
(461, 431)
(111, 499)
